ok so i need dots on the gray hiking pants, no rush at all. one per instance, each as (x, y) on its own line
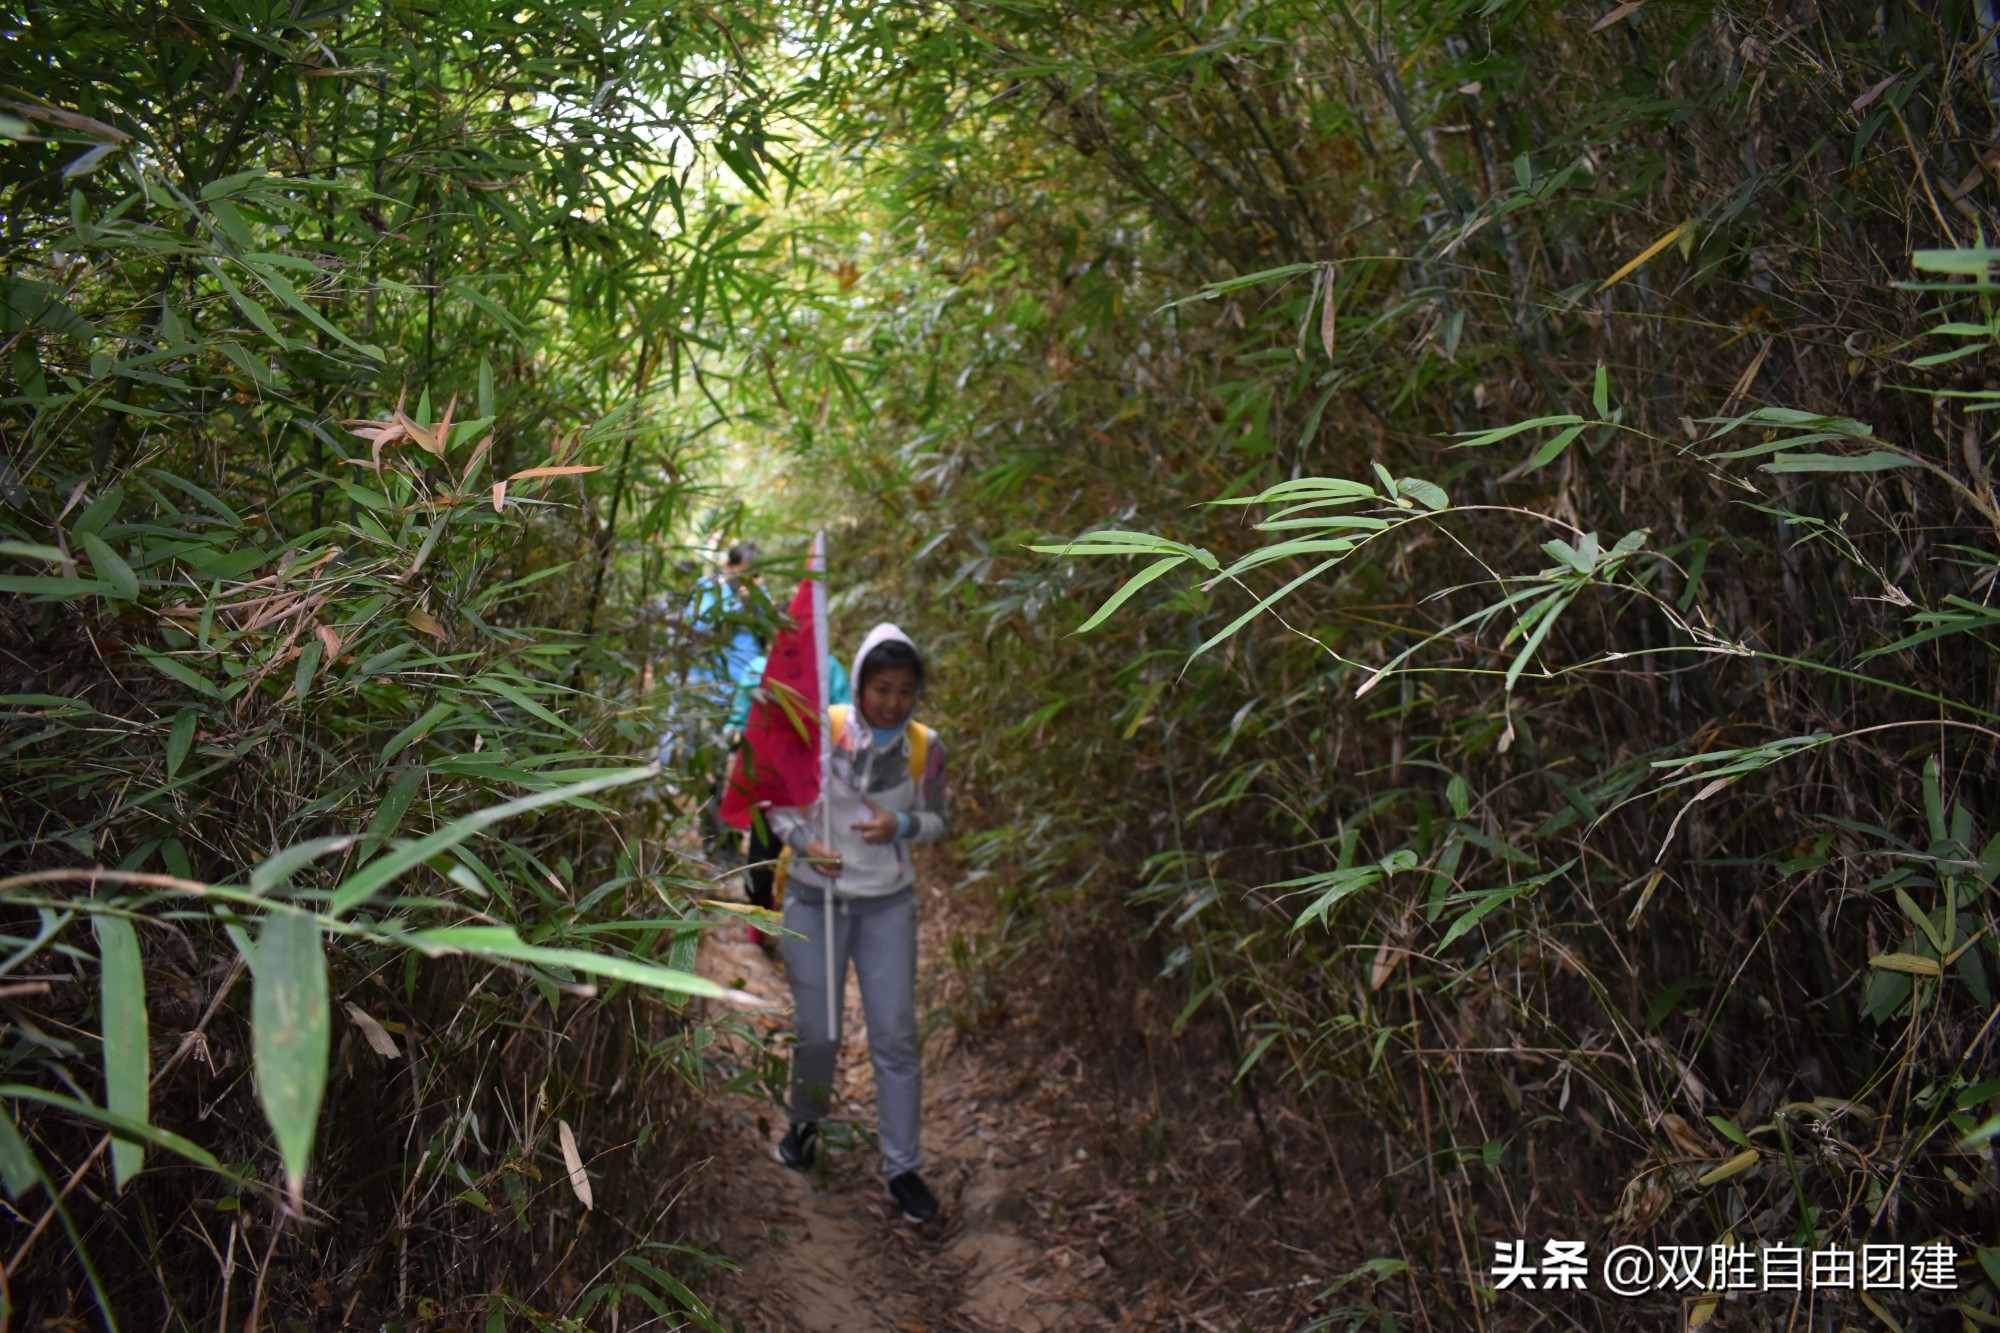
(880, 935)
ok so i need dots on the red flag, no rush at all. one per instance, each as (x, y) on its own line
(779, 761)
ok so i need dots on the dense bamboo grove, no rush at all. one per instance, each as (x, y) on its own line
(1554, 739)
(1540, 762)
(340, 479)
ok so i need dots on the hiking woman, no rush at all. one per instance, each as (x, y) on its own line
(887, 796)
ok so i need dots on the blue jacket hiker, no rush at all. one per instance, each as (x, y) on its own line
(731, 660)
(886, 795)
(727, 663)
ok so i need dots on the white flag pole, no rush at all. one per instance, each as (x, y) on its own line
(817, 568)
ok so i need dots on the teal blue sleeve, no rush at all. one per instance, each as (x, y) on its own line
(838, 688)
(747, 681)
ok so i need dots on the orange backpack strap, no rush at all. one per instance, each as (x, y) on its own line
(920, 738)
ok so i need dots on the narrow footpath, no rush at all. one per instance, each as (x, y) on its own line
(1092, 1176)
(826, 1252)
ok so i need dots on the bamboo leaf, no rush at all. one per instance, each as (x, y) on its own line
(1972, 261)
(252, 308)
(1426, 493)
(377, 1036)
(1488, 904)
(1735, 1166)
(1550, 610)
(180, 738)
(362, 495)
(175, 670)
(568, 471)
(55, 589)
(1112, 541)
(1330, 490)
(1913, 964)
(231, 224)
(1459, 793)
(519, 697)
(1625, 10)
(388, 816)
(18, 1169)
(364, 883)
(1131, 585)
(119, 1124)
(423, 621)
(1921, 919)
(1552, 449)
(1326, 316)
(127, 1056)
(1878, 460)
(1933, 792)
(276, 872)
(502, 943)
(1264, 604)
(289, 1035)
(1728, 1129)
(284, 291)
(199, 494)
(1479, 439)
(111, 567)
(1631, 265)
(1337, 885)
(302, 677)
(417, 730)
(573, 1162)
(1214, 289)
(1284, 550)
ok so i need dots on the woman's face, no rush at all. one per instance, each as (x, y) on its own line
(888, 696)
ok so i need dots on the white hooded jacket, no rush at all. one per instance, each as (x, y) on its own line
(881, 772)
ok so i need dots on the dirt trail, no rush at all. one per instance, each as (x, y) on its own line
(828, 1253)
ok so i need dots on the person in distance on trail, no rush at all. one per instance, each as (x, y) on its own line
(731, 661)
(729, 644)
(887, 794)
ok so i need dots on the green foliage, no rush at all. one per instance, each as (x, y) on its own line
(127, 1059)
(1555, 709)
(289, 1025)
(1471, 469)
(342, 466)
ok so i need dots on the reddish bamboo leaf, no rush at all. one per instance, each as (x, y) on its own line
(473, 462)
(569, 471)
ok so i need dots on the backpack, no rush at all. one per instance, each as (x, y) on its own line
(920, 738)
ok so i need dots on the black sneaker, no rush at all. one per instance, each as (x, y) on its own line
(800, 1145)
(919, 1205)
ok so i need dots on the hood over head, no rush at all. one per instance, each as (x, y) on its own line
(882, 633)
